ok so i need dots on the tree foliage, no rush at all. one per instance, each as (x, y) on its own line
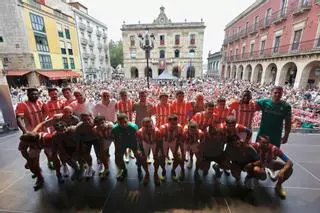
(116, 53)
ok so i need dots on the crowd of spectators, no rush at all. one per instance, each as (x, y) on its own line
(305, 103)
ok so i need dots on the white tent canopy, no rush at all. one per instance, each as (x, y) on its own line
(165, 75)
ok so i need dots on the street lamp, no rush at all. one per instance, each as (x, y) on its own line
(146, 43)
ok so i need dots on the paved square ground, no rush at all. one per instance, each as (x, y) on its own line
(17, 195)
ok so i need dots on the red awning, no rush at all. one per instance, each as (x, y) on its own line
(59, 74)
(17, 72)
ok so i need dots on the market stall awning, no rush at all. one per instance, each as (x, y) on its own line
(59, 74)
(17, 72)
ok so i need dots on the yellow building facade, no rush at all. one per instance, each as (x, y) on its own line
(52, 20)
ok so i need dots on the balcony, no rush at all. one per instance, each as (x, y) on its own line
(92, 56)
(104, 35)
(84, 41)
(85, 55)
(105, 47)
(82, 26)
(89, 29)
(279, 16)
(265, 24)
(254, 29)
(99, 46)
(237, 37)
(244, 33)
(225, 41)
(91, 43)
(311, 46)
(301, 6)
(99, 33)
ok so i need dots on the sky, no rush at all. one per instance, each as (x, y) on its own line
(215, 14)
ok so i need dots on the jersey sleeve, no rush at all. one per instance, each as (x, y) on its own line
(284, 157)
(288, 114)
(260, 103)
(20, 109)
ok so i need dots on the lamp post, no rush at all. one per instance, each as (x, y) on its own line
(146, 43)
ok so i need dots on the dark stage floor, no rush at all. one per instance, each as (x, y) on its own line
(17, 194)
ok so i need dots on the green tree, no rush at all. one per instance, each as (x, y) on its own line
(116, 53)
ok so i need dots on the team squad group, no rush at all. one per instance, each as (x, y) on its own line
(203, 130)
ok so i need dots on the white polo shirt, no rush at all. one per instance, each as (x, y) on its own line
(108, 111)
(86, 107)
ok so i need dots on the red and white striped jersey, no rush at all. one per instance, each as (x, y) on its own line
(151, 138)
(66, 102)
(52, 107)
(191, 139)
(125, 107)
(161, 112)
(105, 132)
(221, 114)
(169, 134)
(244, 113)
(182, 110)
(31, 112)
(203, 119)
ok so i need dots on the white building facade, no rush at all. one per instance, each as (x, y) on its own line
(178, 48)
(93, 44)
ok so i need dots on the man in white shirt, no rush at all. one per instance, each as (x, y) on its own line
(81, 105)
(106, 107)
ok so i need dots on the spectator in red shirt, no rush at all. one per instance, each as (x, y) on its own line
(181, 108)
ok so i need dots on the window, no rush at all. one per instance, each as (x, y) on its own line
(283, 8)
(37, 23)
(247, 25)
(263, 43)
(72, 65)
(296, 39)
(193, 39)
(276, 44)
(177, 53)
(162, 39)
(133, 54)
(237, 53)
(65, 62)
(1, 39)
(45, 61)
(89, 36)
(256, 21)
(318, 42)
(268, 17)
(243, 51)
(177, 39)
(60, 31)
(251, 49)
(67, 31)
(63, 47)
(231, 57)
(162, 54)
(69, 47)
(84, 48)
(41, 42)
(132, 41)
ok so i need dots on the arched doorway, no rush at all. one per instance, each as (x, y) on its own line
(191, 72)
(310, 75)
(288, 74)
(247, 73)
(146, 72)
(270, 74)
(234, 72)
(176, 71)
(240, 72)
(257, 74)
(228, 72)
(222, 74)
(134, 72)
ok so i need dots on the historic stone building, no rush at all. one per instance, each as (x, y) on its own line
(214, 60)
(274, 41)
(177, 48)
